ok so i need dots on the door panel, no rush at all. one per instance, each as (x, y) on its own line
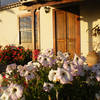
(66, 32)
(61, 31)
(71, 33)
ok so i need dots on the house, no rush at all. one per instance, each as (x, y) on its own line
(59, 24)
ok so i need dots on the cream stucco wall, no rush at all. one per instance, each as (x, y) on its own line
(90, 17)
(9, 33)
(46, 29)
(9, 26)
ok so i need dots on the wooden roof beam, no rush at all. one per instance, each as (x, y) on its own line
(52, 3)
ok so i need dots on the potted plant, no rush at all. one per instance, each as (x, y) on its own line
(93, 57)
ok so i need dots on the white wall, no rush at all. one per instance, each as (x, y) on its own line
(9, 26)
(46, 29)
(9, 33)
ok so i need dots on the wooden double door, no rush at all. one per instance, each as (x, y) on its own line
(66, 31)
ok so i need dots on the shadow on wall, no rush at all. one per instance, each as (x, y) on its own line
(90, 12)
(7, 11)
(0, 20)
(11, 11)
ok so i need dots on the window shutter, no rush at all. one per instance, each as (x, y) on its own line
(60, 33)
(73, 34)
(66, 32)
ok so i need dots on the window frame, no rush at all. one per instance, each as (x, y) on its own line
(32, 14)
(22, 16)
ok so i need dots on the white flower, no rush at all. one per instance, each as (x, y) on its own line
(75, 70)
(52, 75)
(33, 66)
(19, 67)
(66, 55)
(60, 55)
(16, 91)
(77, 60)
(10, 68)
(5, 95)
(59, 61)
(29, 76)
(63, 56)
(64, 76)
(39, 57)
(44, 61)
(30, 68)
(68, 66)
(49, 52)
(30, 63)
(98, 76)
(36, 64)
(47, 86)
(23, 71)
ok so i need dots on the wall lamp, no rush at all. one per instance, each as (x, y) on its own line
(47, 9)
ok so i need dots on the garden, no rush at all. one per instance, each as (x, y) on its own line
(48, 77)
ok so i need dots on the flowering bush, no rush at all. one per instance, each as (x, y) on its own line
(13, 54)
(36, 53)
(51, 77)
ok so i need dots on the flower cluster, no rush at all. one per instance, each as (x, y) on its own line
(51, 77)
(13, 54)
(36, 53)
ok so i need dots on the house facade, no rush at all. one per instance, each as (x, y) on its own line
(62, 25)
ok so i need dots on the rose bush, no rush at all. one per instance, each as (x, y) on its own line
(51, 77)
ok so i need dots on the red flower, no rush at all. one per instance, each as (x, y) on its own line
(4, 76)
(36, 53)
(26, 85)
(21, 57)
(15, 76)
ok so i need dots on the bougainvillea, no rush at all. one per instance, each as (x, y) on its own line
(36, 53)
(13, 54)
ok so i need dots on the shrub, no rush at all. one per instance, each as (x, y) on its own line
(13, 54)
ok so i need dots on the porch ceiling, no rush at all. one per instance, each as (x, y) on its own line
(57, 4)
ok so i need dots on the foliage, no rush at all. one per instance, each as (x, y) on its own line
(13, 54)
(51, 77)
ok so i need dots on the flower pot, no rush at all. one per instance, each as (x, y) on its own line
(92, 58)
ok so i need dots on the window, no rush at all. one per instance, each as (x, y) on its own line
(29, 34)
(25, 24)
